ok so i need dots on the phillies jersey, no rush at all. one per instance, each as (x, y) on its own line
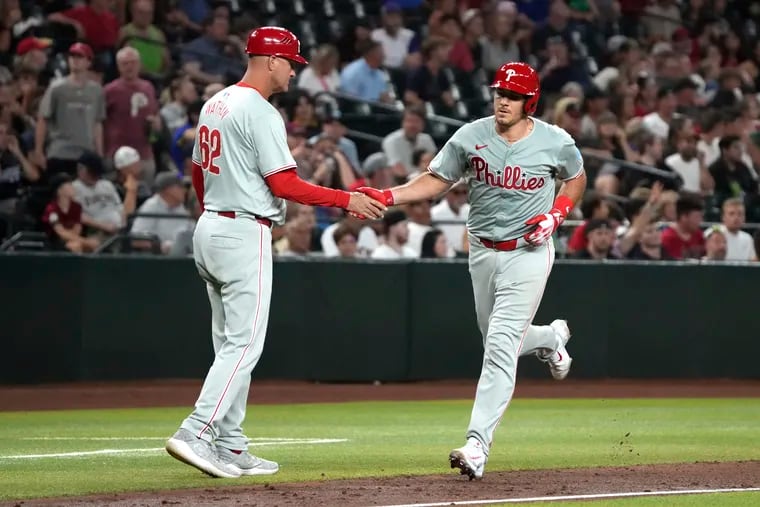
(240, 140)
(509, 183)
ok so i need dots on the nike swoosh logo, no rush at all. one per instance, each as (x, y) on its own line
(480, 146)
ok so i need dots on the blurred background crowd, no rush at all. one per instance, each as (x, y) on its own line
(99, 100)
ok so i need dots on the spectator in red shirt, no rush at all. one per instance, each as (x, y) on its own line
(63, 218)
(131, 112)
(683, 239)
(94, 23)
(592, 207)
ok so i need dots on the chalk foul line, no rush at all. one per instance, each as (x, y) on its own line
(595, 496)
(78, 454)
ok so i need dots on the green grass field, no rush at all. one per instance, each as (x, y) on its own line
(377, 439)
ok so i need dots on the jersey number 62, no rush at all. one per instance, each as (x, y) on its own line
(210, 143)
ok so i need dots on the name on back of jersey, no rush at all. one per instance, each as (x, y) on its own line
(218, 108)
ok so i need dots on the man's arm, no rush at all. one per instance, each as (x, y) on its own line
(98, 137)
(193, 70)
(424, 187)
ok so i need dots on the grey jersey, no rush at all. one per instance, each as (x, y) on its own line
(508, 183)
(72, 112)
(240, 141)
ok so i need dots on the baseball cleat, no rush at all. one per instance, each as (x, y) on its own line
(246, 463)
(560, 360)
(470, 459)
(198, 453)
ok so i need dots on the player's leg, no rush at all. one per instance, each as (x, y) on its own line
(484, 263)
(519, 285)
(245, 272)
(186, 445)
(540, 339)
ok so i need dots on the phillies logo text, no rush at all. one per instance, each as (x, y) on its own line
(511, 178)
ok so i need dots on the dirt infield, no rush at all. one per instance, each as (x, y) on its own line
(447, 487)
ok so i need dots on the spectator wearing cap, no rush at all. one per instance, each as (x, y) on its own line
(31, 53)
(102, 209)
(15, 171)
(132, 191)
(396, 235)
(400, 144)
(334, 129)
(363, 78)
(429, 82)
(169, 199)
(683, 239)
(213, 57)
(715, 244)
(322, 73)
(70, 118)
(62, 218)
(131, 112)
(454, 210)
(376, 172)
(146, 38)
(739, 244)
(393, 36)
(600, 237)
(94, 22)
(658, 121)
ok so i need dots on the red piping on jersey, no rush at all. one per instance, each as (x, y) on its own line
(287, 185)
(198, 183)
(246, 85)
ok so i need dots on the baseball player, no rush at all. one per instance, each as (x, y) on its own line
(510, 162)
(242, 172)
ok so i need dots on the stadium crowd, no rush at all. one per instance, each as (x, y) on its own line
(99, 100)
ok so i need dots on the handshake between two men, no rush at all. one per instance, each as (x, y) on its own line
(369, 203)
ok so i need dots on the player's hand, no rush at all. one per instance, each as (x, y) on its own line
(384, 196)
(545, 224)
(362, 206)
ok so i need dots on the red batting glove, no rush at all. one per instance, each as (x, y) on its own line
(383, 196)
(547, 223)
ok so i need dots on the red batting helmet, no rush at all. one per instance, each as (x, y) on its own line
(520, 78)
(275, 41)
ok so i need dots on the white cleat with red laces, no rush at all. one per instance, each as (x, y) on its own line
(470, 459)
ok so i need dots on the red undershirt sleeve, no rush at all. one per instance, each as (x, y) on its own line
(287, 185)
(198, 183)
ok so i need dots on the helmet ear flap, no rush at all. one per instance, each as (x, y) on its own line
(531, 103)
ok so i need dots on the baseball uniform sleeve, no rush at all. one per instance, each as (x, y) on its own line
(449, 163)
(570, 162)
(196, 152)
(271, 145)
